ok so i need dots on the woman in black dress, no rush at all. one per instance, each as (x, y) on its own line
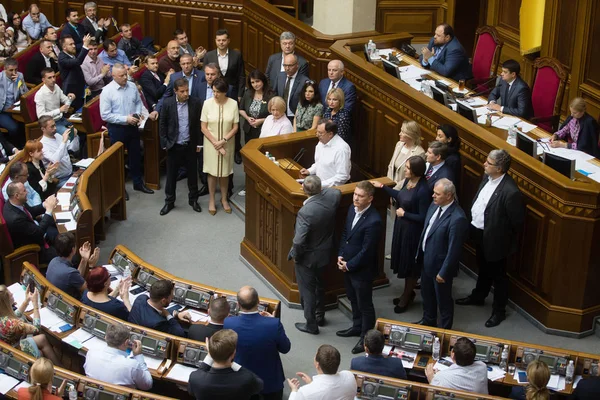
(449, 135)
(412, 202)
(254, 105)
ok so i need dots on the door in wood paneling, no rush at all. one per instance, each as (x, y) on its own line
(530, 269)
(366, 115)
(166, 26)
(508, 14)
(592, 72)
(138, 15)
(253, 45)
(198, 32)
(565, 31)
(234, 26)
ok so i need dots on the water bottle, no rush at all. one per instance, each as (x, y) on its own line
(371, 47)
(436, 349)
(72, 392)
(268, 155)
(570, 373)
(504, 359)
(127, 273)
(512, 133)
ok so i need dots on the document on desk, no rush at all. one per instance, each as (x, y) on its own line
(19, 294)
(475, 101)
(496, 373)
(78, 338)
(64, 200)
(411, 72)
(413, 83)
(576, 380)
(197, 316)
(7, 382)
(49, 319)
(180, 373)
(23, 384)
(408, 357)
(505, 122)
(153, 362)
(526, 126)
(84, 163)
(556, 382)
(95, 343)
(387, 349)
(443, 363)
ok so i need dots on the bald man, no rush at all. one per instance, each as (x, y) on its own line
(335, 78)
(171, 61)
(261, 338)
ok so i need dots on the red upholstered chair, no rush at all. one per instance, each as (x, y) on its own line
(25, 55)
(486, 57)
(28, 111)
(161, 54)
(550, 78)
(139, 73)
(136, 30)
(90, 114)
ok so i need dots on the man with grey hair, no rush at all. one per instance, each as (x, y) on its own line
(287, 41)
(311, 249)
(336, 79)
(93, 26)
(126, 371)
(497, 216)
(439, 253)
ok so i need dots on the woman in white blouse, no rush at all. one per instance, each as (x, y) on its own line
(409, 145)
(276, 123)
(16, 32)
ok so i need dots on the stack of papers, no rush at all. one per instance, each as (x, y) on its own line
(506, 122)
(71, 224)
(84, 163)
(95, 343)
(18, 292)
(496, 373)
(556, 383)
(77, 338)
(153, 362)
(411, 72)
(180, 373)
(7, 382)
(475, 101)
(52, 321)
(64, 200)
(526, 126)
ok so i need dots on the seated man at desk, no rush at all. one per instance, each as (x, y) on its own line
(445, 55)
(217, 311)
(332, 156)
(373, 362)
(49, 98)
(56, 148)
(19, 173)
(12, 87)
(151, 312)
(113, 364)
(513, 92)
(465, 374)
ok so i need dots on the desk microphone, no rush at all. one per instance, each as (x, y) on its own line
(486, 90)
(296, 159)
(544, 145)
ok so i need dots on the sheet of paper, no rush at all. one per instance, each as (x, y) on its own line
(64, 215)
(112, 270)
(481, 119)
(475, 101)
(180, 373)
(71, 226)
(496, 373)
(2, 166)
(49, 319)
(440, 367)
(78, 337)
(526, 126)
(197, 316)
(413, 83)
(17, 108)
(64, 199)
(506, 122)
(556, 382)
(23, 384)
(411, 72)
(95, 343)
(386, 350)
(18, 292)
(84, 163)
(408, 357)
(153, 362)
(7, 382)
(482, 111)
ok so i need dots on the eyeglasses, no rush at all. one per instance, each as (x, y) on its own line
(309, 82)
(492, 164)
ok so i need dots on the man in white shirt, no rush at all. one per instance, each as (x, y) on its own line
(51, 101)
(465, 374)
(328, 384)
(332, 156)
(114, 365)
(56, 148)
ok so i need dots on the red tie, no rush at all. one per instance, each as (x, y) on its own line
(28, 213)
(144, 100)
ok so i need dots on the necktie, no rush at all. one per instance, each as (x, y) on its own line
(144, 99)
(505, 99)
(27, 212)
(2, 151)
(429, 172)
(286, 90)
(332, 85)
(156, 76)
(439, 214)
(76, 30)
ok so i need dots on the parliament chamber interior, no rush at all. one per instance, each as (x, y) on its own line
(500, 98)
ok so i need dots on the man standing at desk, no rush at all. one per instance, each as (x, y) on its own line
(332, 156)
(513, 92)
(445, 55)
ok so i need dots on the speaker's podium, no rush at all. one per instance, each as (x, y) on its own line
(273, 199)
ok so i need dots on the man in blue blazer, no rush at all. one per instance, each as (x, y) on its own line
(439, 253)
(357, 259)
(513, 92)
(445, 55)
(192, 75)
(261, 338)
(335, 78)
(376, 363)
(436, 169)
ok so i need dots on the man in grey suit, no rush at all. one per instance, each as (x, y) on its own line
(287, 41)
(513, 92)
(311, 249)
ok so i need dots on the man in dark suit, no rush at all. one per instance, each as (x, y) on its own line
(192, 75)
(335, 78)
(217, 311)
(445, 55)
(436, 164)
(93, 26)
(287, 41)
(261, 338)
(153, 82)
(74, 28)
(497, 218)
(45, 58)
(179, 130)
(289, 84)
(374, 362)
(69, 64)
(311, 249)
(588, 388)
(513, 92)
(439, 252)
(22, 227)
(357, 259)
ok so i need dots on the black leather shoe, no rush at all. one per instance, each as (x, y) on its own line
(469, 301)
(203, 191)
(237, 158)
(348, 332)
(142, 188)
(495, 320)
(167, 208)
(359, 347)
(195, 205)
(321, 321)
(303, 328)
(126, 196)
(422, 322)
(396, 300)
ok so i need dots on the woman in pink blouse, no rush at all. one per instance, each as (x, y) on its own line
(580, 130)
(276, 123)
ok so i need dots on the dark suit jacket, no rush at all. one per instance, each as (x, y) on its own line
(518, 102)
(380, 365)
(359, 245)
(260, 340)
(274, 66)
(587, 140)
(451, 62)
(587, 389)
(33, 71)
(143, 314)
(22, 229)
(453, 161)
(245, 104)
(197, 88)
(200, 332)
(34, 181)
(153, 88)
(77, 33)
(315, 224)
(236, 74)
(444, 241)
(168, 124)
(503, 219)
(295, 90)
(344, 84)
(71, 74)
(445, 171)
(8, 149)
(89, 29)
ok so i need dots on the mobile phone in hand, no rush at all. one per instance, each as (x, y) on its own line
(31, 286)
(136, 116)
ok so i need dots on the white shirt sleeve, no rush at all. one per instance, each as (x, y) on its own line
(141, 376)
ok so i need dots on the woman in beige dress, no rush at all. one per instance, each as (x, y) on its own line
(220, 120)
(409, 145)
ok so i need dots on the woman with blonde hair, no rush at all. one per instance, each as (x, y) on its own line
(538, 376)
(409, 145)
(41, 179)
(277, 123)
(41, 375)
(16, 330)
(580, 130)
(338, 114)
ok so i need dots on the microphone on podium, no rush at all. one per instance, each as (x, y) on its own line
(296, 159)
